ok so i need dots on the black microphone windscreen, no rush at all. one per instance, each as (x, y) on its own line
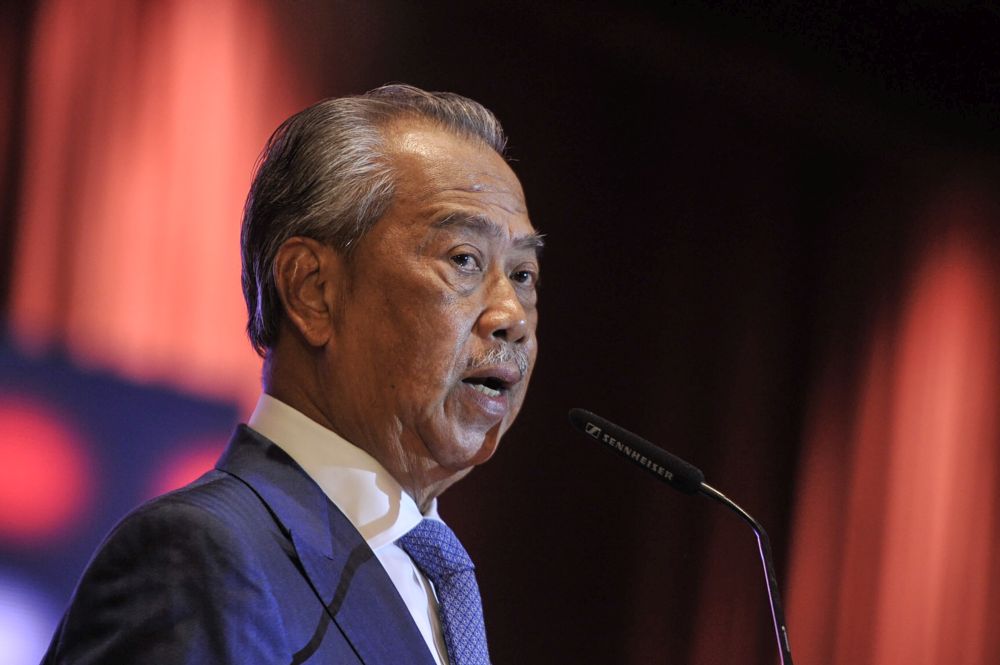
(668, 468)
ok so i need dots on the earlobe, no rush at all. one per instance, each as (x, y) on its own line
(305, 272)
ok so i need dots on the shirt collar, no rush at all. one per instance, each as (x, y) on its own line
(353, 480)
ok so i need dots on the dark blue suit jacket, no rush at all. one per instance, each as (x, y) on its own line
(250, 564)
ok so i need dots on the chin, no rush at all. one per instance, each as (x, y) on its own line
(473, 449)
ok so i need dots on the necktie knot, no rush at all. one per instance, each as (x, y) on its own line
(439, 555)
(436, 550)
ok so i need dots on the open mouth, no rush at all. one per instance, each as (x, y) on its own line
(487, 385)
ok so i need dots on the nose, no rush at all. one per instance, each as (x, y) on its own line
(503, 316)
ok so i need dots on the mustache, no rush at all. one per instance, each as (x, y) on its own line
(500, 355)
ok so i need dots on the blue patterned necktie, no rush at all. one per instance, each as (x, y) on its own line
(438, 554)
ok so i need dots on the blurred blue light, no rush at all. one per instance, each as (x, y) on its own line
(28, 618)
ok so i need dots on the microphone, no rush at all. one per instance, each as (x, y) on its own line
(688, 479)
(672, 470)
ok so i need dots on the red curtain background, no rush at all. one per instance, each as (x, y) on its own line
(778, 270)
(895, 546)
(143, 121)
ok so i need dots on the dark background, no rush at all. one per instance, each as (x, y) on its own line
(731, 193)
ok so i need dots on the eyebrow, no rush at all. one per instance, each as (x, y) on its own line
(486, 226)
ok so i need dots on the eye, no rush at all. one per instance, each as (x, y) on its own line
(525, 276)
(466, 261)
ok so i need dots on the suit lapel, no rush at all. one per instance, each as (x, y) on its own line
(344, 572)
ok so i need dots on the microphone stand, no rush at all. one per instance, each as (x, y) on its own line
(688, 479)
(764, 547)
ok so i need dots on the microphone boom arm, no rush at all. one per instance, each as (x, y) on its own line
(688, 479)
(764, 547)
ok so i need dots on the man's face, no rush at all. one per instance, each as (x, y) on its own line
(435, 333)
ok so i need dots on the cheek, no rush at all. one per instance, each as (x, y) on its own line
(429, 351)
(419, 333)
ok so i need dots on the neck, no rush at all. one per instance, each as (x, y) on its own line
(419, 475)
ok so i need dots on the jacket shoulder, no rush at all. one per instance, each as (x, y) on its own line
(178, 580)
(218, 502)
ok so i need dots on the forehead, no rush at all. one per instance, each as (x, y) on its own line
(443, 176)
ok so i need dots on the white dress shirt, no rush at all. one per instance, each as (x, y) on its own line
(367, 494)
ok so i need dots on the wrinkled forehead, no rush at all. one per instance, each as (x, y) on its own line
(449, 161)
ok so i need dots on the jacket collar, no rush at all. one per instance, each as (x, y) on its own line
(342, 569)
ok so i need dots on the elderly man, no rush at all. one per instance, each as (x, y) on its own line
(390, 273)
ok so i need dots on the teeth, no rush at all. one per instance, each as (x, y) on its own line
(486, 390)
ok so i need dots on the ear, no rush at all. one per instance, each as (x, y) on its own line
(306, 274)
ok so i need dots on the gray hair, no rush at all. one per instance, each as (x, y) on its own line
(325, 174)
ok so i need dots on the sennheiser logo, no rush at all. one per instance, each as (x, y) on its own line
(632, 454)
(593, 430)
